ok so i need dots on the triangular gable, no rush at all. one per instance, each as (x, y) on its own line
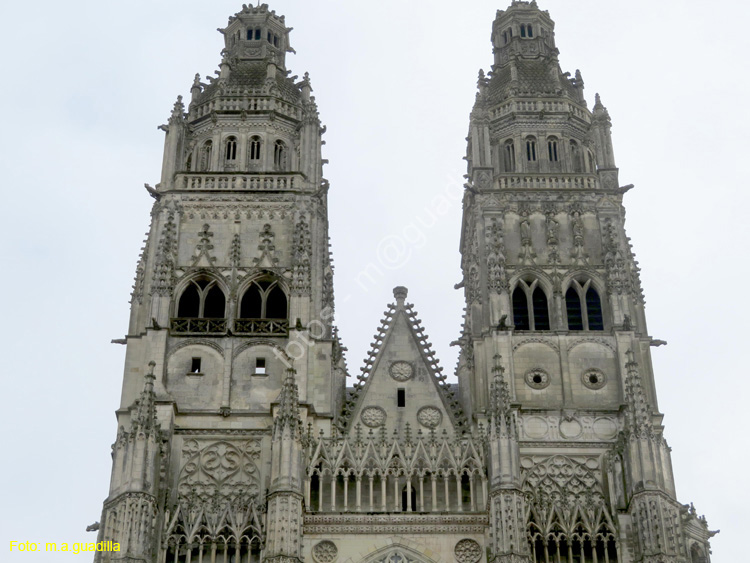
(402, 362)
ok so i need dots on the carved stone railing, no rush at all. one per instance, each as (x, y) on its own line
(261, 327)
(198, 326)
(236, 101)
(237, 181)
(547, 182)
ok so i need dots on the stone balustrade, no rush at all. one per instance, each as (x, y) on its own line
(239, 181)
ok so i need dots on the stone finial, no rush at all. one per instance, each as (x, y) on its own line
(400, 293)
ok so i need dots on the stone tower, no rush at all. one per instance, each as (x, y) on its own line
(555, 352)
(238, 440)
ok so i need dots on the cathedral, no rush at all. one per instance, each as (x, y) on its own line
(238, 438)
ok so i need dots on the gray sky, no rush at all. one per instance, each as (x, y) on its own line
(87, 83)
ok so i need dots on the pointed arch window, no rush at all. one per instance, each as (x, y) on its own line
(583, 307)
(280, 156)
(530, 309)
(526, 30)
(230, 149)
(264, 308)
(509, 156)
(201, 308)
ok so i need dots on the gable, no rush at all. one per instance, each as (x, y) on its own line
(403, 384)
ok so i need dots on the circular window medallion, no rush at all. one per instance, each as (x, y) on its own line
(324, 551)
(468, 551)
(593, 378)
(431, 417)
(373, 417)
(401, 371)
(537, 378)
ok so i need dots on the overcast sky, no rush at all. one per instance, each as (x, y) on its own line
(88, 82)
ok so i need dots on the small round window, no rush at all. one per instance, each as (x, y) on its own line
(537, 378)
(593, 378)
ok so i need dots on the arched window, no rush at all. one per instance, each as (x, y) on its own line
(505, 37)
(206, 151)
(552, 149)
(529, 30)
(202, 299)
(189, 163)
(264, 299)
(523, 30)
(530, 310)
(583, 307)
(280, 156)
(254, 152)
(531, 149)
(594, 310)
(230, 149)
(509, 156)
(573, 308)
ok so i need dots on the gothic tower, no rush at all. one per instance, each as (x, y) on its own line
(230, 318)
(555, 352)
(238, 440)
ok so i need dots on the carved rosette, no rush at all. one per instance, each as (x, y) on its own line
(325, 551)
(373, 417)
(468, 551)
(429, 417)
(401, 371)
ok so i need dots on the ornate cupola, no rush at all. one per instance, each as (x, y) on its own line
(257, 33)
(251, 117)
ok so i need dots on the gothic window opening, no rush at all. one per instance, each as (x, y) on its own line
(401, 397)
(520, 310)
(275, 40)
(573, 307)
(541, 312)
(505, 37)
(406, 506)
(230, 149)
(189, 163)
(583, 307)
(202, 299)
(552, 149)
(530, 308)
(509, 156)
(254, 152)
(526, 30)
(280, 156)
(531, 149)
(264, 299)
(260, 366)
(594, 310)
(195, 365)
(529, 30)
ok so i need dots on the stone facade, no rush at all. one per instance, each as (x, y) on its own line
(238, 439)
